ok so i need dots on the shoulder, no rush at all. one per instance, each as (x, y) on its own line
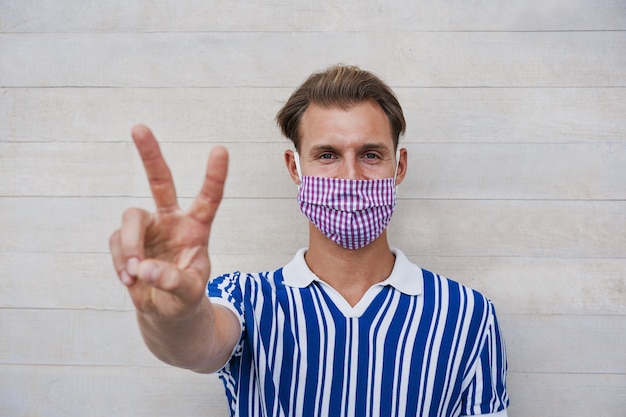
(246, 281)
(452, 284)
(443, 293)
(414, 279)
(237, 289)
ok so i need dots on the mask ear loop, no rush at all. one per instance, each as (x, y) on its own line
(395, 174)
(296, 156)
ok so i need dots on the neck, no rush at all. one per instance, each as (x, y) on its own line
(349, 272)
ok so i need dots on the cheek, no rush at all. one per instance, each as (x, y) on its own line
(377, 170)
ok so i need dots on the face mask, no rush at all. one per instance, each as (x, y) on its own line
(351, 213)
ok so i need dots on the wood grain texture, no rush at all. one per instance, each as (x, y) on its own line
(124, 391)
(593, 229)
(284, 15)
(517, 285)
(516, 138)
(565, 395)
(269, 59)
(535, 343)
(585, 171)
(224, 115)
(61, 391)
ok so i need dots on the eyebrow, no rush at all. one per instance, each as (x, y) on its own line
(366, 147)
(373, 147)
(322, 148)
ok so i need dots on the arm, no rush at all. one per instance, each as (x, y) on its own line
(487, 394)
(163, 260)
(202, 342)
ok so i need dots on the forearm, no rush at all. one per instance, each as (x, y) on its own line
(201, 340)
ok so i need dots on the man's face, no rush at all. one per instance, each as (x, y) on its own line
(355, 143)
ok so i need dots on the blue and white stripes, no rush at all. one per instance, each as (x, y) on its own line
(438, 353)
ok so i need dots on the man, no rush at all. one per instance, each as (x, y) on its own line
(349, 327)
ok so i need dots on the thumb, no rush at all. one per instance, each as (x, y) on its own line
(169, 278)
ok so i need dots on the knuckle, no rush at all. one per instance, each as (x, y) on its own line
(171, 279)
(114, 239)
(131, 214)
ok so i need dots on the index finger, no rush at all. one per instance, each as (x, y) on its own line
(159, 174)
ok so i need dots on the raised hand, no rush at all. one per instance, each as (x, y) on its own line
(162, 257)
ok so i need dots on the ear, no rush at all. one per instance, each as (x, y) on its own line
(290, 162)
(402, 166)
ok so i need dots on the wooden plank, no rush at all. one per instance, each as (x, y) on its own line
(444, 59)
(477, 228)
(219, 115)
(39, 280)
(515, 171)
(61, 391)
(436, 171)
(114, 169)
(567, 286)
(509, 228)
(224, 115)
(566, 395)
(513, 115)
(535, 343)
(565, 343)
(193, 15)
(135, 392)
(60, 224)
(73, 337)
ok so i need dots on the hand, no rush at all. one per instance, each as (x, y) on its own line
(162, 257)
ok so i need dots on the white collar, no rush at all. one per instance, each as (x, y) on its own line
(405, 276)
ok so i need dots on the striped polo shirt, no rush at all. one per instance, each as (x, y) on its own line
(416, 344)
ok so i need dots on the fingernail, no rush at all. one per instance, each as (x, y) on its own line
(155, 272)
(150, 271)
(131, 266)
(126, 279)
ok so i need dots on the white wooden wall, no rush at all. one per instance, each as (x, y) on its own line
(517, 176)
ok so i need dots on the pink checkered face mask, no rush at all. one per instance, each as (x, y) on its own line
(351, 213)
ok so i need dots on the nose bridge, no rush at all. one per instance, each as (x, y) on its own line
(350, 166)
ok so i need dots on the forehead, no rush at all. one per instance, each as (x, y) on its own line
(336, 126)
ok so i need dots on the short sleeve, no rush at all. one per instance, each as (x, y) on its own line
(486, 393)
(225, 290)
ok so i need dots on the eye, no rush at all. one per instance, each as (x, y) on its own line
(371, 155)
(326, 156)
